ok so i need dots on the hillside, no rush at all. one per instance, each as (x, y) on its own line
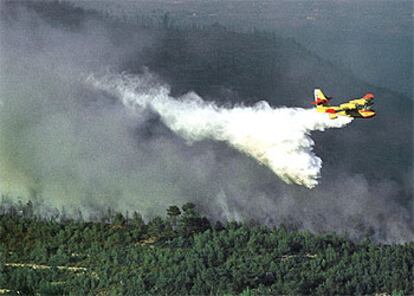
(185, 254)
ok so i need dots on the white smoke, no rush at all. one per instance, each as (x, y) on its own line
(278, 138)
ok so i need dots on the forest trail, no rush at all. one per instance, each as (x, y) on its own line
(41, 266)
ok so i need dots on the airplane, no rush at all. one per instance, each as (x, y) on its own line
(357, 108)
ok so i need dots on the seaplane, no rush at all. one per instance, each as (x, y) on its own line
(356, 108)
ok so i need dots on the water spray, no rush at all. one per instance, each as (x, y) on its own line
(278, 138)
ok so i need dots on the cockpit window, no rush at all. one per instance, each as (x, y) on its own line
(364, 107)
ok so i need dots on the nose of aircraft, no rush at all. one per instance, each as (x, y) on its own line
(369, 96)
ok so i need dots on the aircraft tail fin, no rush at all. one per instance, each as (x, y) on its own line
(320, 98)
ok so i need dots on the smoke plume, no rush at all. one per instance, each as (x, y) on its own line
(70, 143)
(278, 138)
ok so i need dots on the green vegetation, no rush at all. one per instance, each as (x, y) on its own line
(185, 254)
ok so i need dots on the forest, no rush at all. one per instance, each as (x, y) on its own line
(184, 253)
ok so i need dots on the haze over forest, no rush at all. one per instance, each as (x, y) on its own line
(372, 39)
(72, 145)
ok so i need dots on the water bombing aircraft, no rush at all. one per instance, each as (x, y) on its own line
(357, 108)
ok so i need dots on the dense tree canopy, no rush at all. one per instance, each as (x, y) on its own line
(183, 254)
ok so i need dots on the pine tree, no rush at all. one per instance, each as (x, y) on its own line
(173, 212)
